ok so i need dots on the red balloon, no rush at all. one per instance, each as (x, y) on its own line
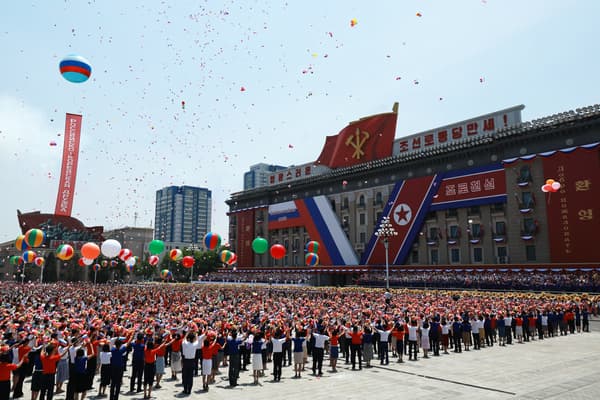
(277, 251)
(188, 261)
(547, 188)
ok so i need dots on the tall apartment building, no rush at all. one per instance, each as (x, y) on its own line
(183, 214)
(259, 174)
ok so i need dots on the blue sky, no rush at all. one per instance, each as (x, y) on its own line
(306, 73)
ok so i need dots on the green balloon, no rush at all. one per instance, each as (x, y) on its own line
(260, 245)
(156, 247)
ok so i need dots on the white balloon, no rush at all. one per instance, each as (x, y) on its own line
(110, 248)
(130, 261)
(87, 261)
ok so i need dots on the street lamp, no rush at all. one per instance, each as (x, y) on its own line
(470, 236)
(193, 248)
(385, 231)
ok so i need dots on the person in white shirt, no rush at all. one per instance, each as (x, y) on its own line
(278, 340)
(105, 356)
(188, 351)
(384, 335)
(318, 352)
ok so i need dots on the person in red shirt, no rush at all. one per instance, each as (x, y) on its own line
(356, 346)
(334, 347)
(150, 365)
(176, 356)
(19, 375)
(398, 333)
(210, 348)
(49, 359)
(6, 367)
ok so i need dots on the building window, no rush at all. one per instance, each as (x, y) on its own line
(361, 200)
(530, 253)
(345, 203)
(434, 257)
(378, 198)
(362, 237)
(475, 231)
(527, 200)
(454, 232)
(529, 226)
(433, 233)
(454, 256)
(333, 205)
(362, 218)
(414, 257)
(500, 228)
(478, 254)
(525, 174)
(498, 207)
(453, 212)
(378, 216)
(474, 210)
(502, 255)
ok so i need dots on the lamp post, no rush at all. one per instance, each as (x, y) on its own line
(193, 249)
(469, 237)
(385, 231)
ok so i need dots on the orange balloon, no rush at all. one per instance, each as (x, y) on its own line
(90, 251)
(549, 181)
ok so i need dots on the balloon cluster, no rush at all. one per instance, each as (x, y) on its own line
(312, 259)
(551, 186)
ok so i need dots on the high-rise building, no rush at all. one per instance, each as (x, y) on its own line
(183, 214)
(259, 174)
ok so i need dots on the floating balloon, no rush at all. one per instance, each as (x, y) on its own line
(311, 259)
(20, 243)
(130, 262)
(153, 260)
(110, 248)
(129, 267)
(81, 262)
(233, 259)
(87, 261)
(156, 247)
(187, 261)
(104, 263)
(165, 274)
(226, 256)
(114, 263)
(14, 260)
(353, 22)
(90, 250)
(312, 247)
(29, 256)
(555, 186)
(34, 237)
(75, 69)
(546, 188)
(212, 240)
(96, 267)
(39, 261)
(549, 181)
(65, 252)
(260, 245)
(551, 186)
(175, 254)
(277, 251)
(125, 254)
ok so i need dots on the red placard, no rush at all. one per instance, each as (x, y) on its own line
(68, 172)
(476, 185)
(573, 217)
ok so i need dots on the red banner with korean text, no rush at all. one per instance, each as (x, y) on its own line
(573, 213)
(68, 172)
(370, 138)
(245, 221)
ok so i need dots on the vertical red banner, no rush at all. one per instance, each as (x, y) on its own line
(245, 236)
(573, 214)
(68, 172)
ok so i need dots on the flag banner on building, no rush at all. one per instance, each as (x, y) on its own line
(573, 212)
(370, 138)
(472, 187)
(245, 220)
(68, 172)
(316, 216)
(407, 207)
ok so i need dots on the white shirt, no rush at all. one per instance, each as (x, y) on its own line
(320, 340)
(105, 357)
(383, 335)
(475, 327)
(188, 350)
(445, 329)
(278, 344)
(412, 332)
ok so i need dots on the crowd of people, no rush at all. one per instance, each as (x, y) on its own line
(285, 278)
(79, 337)
(586, 281)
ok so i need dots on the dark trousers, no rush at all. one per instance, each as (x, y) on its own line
(136, 374)
(70, 383)
(317, 360)
(116, 379)
(277, 363)
(187, 374)
(508, 335)
(476, 342)
(399, 348)
(489, 338)
(47, 391)
(4, 390)
(435, 346)
(287, 353)
(412, 349)
(383, 353)
(91, 371)
(457, 345)
(356, 351)
(345, 347)
(197, 360)
(18, 389)
(234, 368)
